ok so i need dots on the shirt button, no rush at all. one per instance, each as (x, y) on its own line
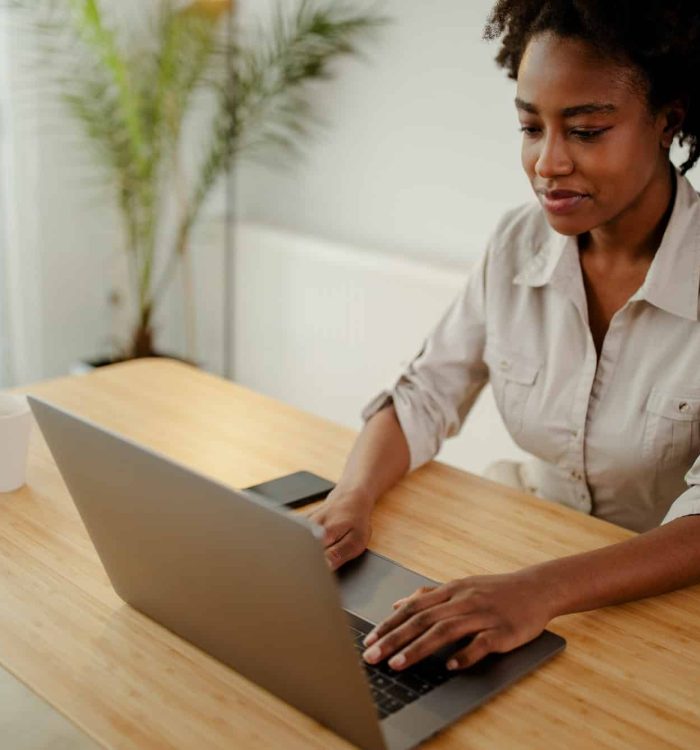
(683, 406)
(504, 365)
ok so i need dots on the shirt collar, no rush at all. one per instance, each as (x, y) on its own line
(673, 280)
(554, 262)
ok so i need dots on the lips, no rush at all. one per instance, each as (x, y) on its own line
(557, 194)
(561, 201)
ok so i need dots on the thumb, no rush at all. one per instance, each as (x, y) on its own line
(331, 535)
(346, 548)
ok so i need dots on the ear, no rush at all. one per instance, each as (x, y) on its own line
(672, 118)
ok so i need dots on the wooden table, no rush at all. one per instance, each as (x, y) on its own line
(630, 677)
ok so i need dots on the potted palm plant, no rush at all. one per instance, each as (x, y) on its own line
(133, 96)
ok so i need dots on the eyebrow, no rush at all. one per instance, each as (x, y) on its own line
(580, 109)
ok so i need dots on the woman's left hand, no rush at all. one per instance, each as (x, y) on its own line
(500, 611)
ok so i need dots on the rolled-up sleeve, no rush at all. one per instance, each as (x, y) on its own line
(688, 504)
(434, 393)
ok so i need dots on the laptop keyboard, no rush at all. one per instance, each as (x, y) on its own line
(392, 690)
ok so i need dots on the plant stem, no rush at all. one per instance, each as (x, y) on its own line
(187, 285)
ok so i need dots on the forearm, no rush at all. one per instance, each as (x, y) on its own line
(378, 459)
(652, 563)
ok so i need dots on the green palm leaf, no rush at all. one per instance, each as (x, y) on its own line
(132, 98)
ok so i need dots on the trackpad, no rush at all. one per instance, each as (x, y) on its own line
(371, 583)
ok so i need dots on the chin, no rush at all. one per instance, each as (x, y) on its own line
(568, 225)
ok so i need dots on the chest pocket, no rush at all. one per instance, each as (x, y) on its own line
(672, 429)
(512, 377)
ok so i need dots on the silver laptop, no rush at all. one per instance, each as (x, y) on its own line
(247, 582)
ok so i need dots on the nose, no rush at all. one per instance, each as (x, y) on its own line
(553, 159)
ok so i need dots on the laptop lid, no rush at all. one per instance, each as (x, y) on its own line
(240, 579)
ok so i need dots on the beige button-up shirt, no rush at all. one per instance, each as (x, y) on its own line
(617, 437)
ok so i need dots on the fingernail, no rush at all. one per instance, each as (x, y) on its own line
(370, 638)
(452, 664)
(372, 654)
(397, 661)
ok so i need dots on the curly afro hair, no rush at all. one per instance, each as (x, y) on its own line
(661, 39)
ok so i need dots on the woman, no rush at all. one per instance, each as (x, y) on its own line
(583, 315)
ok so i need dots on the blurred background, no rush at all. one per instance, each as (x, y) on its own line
(286, 193)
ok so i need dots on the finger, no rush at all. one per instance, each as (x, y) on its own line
(346, 548)
(411, 629)
(418, 592)
(422, 599)
(332, 532)
(484, 643)
(444, 633)
(415, 640)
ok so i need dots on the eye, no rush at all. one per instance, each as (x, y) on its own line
(583, 134)
(588, 135)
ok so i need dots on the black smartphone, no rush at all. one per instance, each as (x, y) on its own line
(293, 490)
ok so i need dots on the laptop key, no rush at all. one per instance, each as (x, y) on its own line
(384, 668)
(439, 677)
(390, 705)
(379, 680)
(415, 683)
(402, 693)
(432, 672)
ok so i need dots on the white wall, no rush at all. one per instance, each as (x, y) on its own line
(421, 151)
(19, 257)
(336, 325)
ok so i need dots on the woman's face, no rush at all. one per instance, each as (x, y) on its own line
(591, 147)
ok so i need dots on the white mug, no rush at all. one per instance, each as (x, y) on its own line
(15, 426)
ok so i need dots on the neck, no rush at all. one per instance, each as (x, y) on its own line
(636, 234)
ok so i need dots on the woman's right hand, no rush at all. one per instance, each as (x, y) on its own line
(345, 516)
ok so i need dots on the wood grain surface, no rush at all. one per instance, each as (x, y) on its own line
(629, 678)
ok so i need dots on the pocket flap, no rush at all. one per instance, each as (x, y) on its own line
(511, 366)
(682, 408)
